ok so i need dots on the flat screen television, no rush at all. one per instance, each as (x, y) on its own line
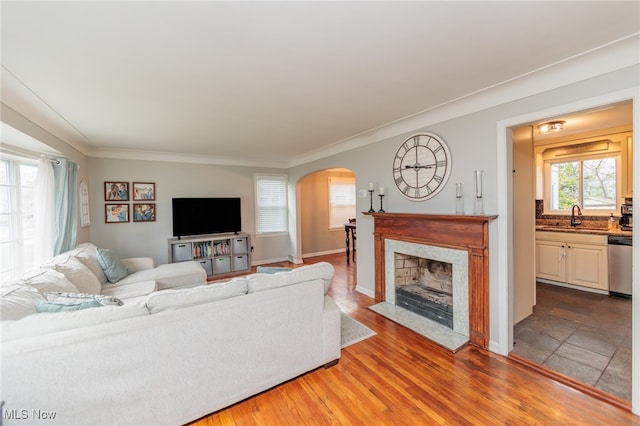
(198, 216)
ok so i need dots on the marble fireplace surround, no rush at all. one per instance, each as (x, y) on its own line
(459, 260)
(458, 232)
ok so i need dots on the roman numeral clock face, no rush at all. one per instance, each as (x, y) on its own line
(421, 166)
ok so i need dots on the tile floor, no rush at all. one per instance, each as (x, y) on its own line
(583, 335)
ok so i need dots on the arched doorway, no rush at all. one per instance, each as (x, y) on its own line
(321, 221)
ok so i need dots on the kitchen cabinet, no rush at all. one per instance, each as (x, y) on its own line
(572, 258)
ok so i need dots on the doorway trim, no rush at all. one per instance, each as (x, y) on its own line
(505, 285)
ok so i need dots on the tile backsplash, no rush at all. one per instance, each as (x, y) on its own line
(560, 220)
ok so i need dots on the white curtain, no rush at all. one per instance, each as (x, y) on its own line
(43, 211)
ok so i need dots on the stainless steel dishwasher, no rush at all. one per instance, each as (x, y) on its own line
(620, 265)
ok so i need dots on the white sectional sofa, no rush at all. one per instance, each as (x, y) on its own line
(166, 357)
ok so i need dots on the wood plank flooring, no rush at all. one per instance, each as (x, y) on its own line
(400, 378)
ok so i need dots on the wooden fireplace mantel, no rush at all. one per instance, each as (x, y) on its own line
(461, 232)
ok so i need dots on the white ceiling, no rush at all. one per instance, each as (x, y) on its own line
(272, 82)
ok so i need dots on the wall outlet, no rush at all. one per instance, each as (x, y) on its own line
(362, 193)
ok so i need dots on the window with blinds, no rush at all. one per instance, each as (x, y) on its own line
(271, 204)
(342, 201)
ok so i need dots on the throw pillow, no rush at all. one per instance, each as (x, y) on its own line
(113, 268)
(45, 280)
(78, 274)
(60, 302)
(87, 254)
(42, 306)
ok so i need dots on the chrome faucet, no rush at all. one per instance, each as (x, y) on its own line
(576, 221)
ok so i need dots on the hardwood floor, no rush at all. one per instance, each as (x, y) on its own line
(400, 378)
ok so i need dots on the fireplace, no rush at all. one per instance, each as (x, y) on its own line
(425, 287)
(458, 301)
(457, 240)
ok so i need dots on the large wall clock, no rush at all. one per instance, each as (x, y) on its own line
(421, 166)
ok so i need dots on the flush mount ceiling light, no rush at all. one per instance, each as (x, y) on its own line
(551, 126)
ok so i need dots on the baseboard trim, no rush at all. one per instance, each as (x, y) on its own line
(324, 253)
(568, 381)
(268, 261)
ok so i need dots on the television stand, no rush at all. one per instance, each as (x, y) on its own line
(217, 253)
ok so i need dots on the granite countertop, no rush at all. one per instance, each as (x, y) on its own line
(583, 230)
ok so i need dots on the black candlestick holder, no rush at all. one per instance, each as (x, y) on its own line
(381, 209)
(371, 210)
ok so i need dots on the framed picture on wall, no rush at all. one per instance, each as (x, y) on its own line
(144, 191)
(116, 213)
(144, 212)
(116, 191)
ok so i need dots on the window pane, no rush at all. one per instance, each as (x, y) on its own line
(17, 225)
(4, 172)
(5, 197)
(342, 201)
(6, 261)
(7, 228)
(564, 185)
(599, 184)
(28, 174)
(271, 204)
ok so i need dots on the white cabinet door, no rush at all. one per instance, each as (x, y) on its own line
(550, 263)
(587, 266)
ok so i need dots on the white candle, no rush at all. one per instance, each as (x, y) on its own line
(370, 186)
(458, 190)
(478, 183)
(381, 190)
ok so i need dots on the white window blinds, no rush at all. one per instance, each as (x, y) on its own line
(342, 201)
(271, 203)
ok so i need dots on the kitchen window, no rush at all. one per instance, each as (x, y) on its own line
(592, 182)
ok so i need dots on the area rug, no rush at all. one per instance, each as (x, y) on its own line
(352, 331)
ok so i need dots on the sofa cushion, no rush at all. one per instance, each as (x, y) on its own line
(322, 270)
(88, 255)
(18, 301)
(130, 291)
(171, 275)
(111, 265)
(178, 298)
(39, 324)
(45, 280)
(60, 302)
(78, 274)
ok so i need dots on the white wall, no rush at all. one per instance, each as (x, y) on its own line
(173, 180)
